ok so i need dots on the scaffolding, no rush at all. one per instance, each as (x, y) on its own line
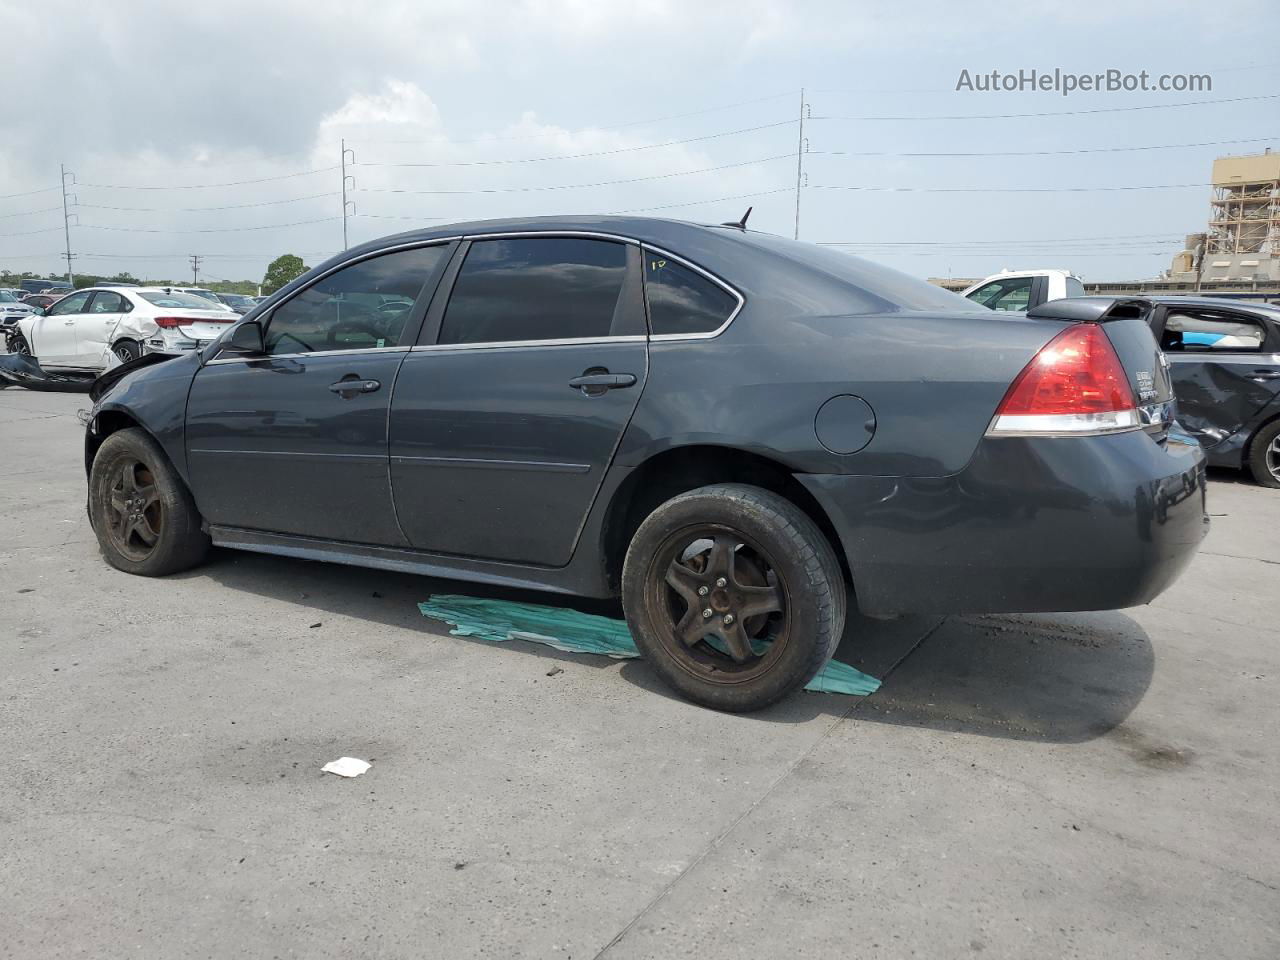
(1245, 218)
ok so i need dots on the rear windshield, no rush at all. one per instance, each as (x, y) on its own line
(176, 301)
(900, 290)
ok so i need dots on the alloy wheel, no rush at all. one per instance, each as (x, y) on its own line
(721, 607)
(134, 511)
(1273, 457)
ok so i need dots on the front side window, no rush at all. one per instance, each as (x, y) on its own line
(360, 307)
(1211, 332)
(72, 304)
(535, 288)
(1012, 294)
(681, 300)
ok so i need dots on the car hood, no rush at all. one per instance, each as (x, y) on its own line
(104, 383)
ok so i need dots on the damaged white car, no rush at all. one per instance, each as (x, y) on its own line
(93, 329)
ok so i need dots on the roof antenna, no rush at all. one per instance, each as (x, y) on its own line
(741, 224)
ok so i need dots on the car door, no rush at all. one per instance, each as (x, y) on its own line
(507, 416)
(1223, 365)
(295, 442)
(55, 332)
(95, 328)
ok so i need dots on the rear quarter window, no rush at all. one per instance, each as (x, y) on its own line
(681, 300)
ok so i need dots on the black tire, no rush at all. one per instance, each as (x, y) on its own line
(136, 496)
(1264, 455)
(17, 343)
(774, 555)
(126, 350)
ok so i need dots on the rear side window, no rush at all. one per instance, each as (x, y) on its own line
(1074, 287)
(535, 288)
(1211, 333)
(681, 300)
(361, 307)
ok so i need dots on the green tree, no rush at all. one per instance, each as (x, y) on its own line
(281, 271)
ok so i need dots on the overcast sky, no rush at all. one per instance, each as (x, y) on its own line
(464, 110)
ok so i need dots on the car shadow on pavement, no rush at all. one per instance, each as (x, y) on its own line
(1061, 678)
(1050, 677)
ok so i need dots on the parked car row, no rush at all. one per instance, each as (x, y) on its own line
(82, 331)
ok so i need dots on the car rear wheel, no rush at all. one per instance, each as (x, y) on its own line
(1264, 455)
(733, 595)
(127, 350)
(142, 513)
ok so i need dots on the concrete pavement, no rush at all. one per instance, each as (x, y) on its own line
(1086, 785)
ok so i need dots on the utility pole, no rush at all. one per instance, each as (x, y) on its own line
(800, 149)
(66, 218)
(195, 270)
(346, 204)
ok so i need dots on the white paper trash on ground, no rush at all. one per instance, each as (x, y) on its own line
(346, 767)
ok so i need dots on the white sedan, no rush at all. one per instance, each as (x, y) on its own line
(93, 329)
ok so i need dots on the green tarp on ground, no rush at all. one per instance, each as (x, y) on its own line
(574, 632)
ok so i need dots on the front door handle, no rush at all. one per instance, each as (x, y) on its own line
(602, 381)
(349, 386)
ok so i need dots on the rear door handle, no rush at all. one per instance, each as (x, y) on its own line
(1263, 375)
(606, 381)
(348, 387)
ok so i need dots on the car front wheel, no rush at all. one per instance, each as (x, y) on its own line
(733, 595)
(17, 343)
(142, 513)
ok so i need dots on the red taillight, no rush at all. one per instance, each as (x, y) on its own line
(169, 323)
(1075, 384)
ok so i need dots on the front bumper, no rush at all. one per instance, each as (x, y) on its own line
(1031, 524)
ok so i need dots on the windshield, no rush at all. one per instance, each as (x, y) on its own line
(7, 297)
(175, 300)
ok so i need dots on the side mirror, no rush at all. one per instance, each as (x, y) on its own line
(244, 340)
(39, 311)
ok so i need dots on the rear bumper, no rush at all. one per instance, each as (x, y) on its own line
(1032, 524)
(175, 345)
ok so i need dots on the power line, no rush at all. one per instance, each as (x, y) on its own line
(268, 226)
(1146, 186)
(579, 156)
(619, 126)
(31, 233)
(701, 203)
(1061, 113)
(28, 193)
(233, 206)
(208, 186)
(1039, 153)
(27, 213)
(578, 186)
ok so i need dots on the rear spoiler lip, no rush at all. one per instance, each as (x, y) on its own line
(1092, 309)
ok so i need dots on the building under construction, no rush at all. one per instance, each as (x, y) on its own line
(1242, 242)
